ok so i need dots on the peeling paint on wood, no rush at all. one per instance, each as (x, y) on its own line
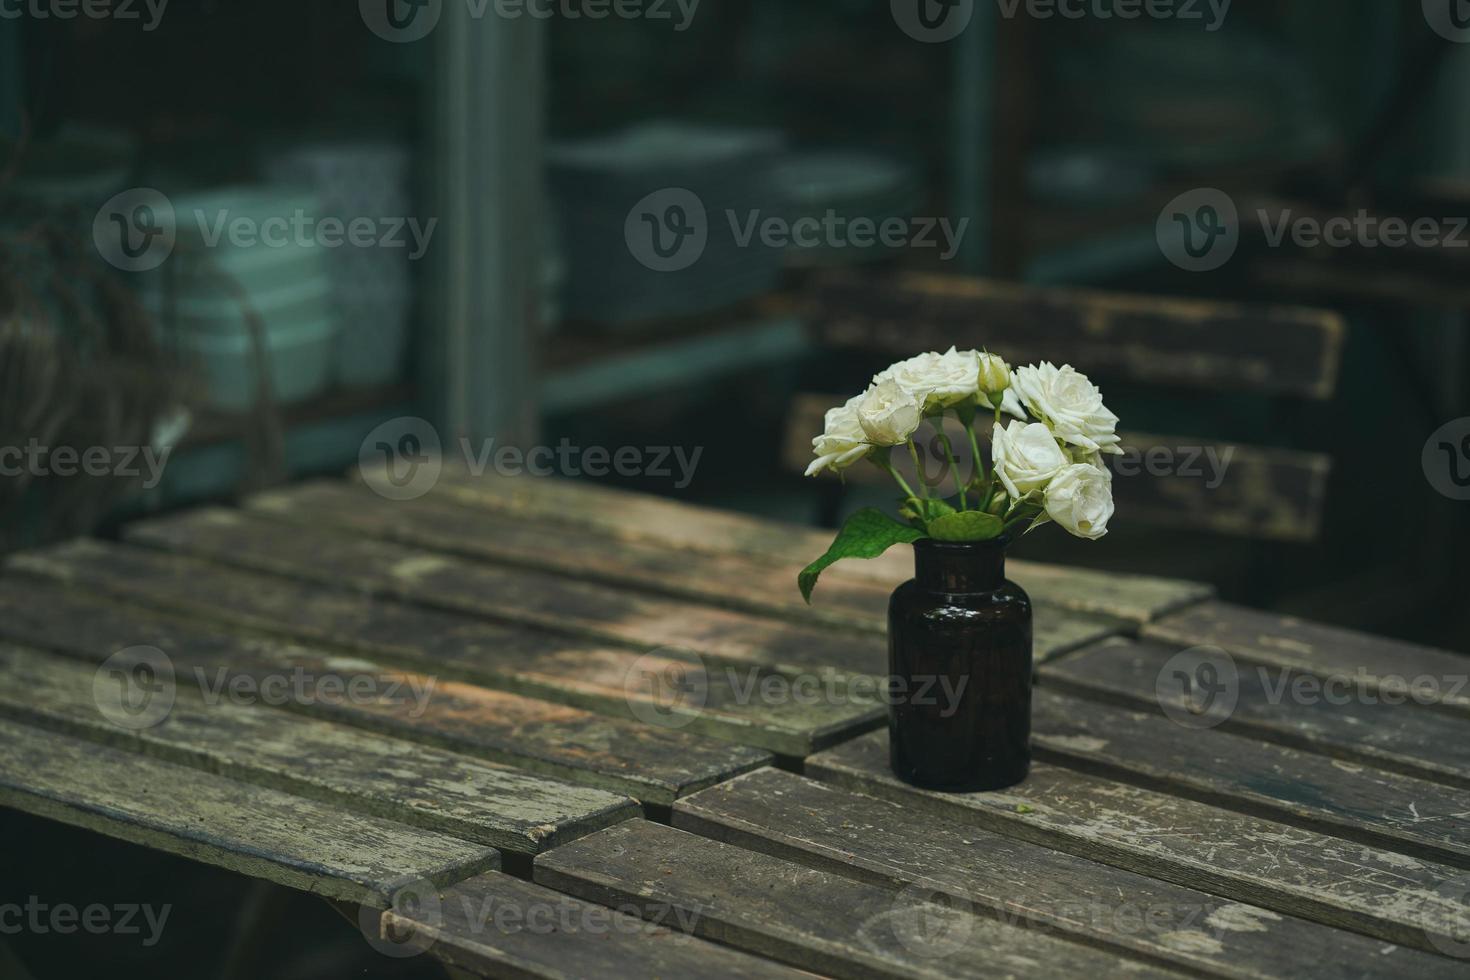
(636, 517)
(1372, 806)
(1290, 870)
(248, 829)
(1284, 641)
(810, 918)
(652, 765)
(498, 926)
(1335, 722)
(534, 663)
(888, 844)
(396, 780)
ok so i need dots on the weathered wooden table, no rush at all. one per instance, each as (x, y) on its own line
(557, 730)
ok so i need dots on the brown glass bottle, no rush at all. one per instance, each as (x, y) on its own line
(959, 656)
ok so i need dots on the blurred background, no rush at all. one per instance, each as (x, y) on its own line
(237, 239)
(586, 229)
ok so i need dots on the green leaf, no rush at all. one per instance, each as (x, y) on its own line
(867, 534)
(931, 509)
(969, 526)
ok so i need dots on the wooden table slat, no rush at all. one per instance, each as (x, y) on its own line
(1374, 662)
(534, 663)
(498, 926)
(887, 844)
(810, 918)
(761, 586)
(245, 828)
(1288, 869)
(652, 765)
(584, 609)
(388, 778)
(1340, 798)
(672, 524)
(1403, 738)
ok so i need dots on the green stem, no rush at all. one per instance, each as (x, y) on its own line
(975, 448)
(954, 464)
(918, 469)
(886, 467)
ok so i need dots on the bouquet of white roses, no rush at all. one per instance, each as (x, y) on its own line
(1046, 464)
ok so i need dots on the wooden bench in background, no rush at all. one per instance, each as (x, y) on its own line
(1276, 352)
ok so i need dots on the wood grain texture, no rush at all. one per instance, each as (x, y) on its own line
(1379, 664)
(1372, 806)
(383, 777)
(582, 609)
(887, 844)
(745, 583)
(1289, 708)
(1149, 339)
(497, 926)
(809, 918)
(1225, 488)
(639, 517)
(652, 765)
(247, 829)
(1290, 870)
(682, 691)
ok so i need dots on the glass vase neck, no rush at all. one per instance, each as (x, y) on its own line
(959, 566)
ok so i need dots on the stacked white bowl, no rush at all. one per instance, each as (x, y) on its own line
(223, 270)
(372, 286)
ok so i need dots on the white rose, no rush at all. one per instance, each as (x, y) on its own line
(994, 379)
(842, 442)
(889, 414)
(1026, 457)
(1070, 404)
(1080, 499)
(937, 381)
